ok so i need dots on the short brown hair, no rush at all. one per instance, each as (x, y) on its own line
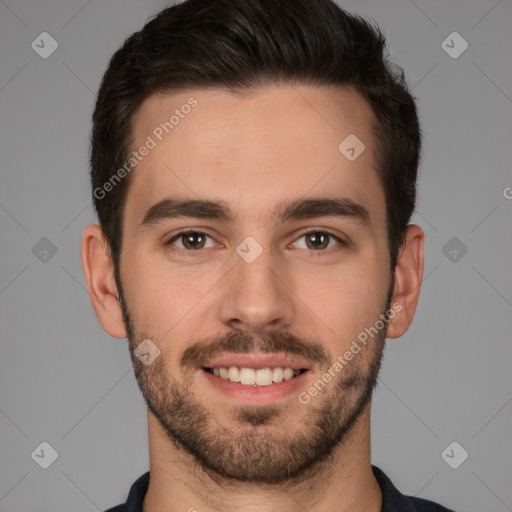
(242, 45)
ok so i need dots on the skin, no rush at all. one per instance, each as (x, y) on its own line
(254, 152)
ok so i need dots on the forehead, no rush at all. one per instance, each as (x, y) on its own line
(253, 151)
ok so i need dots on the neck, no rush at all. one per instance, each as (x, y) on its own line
(343, 482)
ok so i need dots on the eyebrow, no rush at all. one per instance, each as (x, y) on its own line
(296, 209)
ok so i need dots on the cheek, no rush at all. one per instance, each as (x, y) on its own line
(346, 301)
(159, 296)
(149, 293)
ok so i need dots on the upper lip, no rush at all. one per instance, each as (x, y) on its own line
(256, 361)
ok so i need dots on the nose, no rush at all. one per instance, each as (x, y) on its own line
(258, 296)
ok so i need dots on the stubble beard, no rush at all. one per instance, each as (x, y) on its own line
(251, 450)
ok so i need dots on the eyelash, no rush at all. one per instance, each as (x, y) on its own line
(320, 252)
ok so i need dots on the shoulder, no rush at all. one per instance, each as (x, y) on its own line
(135, 496)
(394, 501)
(422, 505)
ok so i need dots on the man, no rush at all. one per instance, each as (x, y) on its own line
(254, 170)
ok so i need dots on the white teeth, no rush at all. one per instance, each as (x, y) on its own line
(287, 374)
(277, 374)
(234, 374)
(263, 376)
(258, 377)
(247, 376)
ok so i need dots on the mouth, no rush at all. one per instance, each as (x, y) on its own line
(247, 376)
(255, 378)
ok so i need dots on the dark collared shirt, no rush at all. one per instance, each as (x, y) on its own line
(392, 499)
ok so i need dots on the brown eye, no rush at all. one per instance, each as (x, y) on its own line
(190, 240)
(318, 241)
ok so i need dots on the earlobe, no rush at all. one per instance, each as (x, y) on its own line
(408, 278)
(99, 275)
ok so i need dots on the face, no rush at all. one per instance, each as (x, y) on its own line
(253, 292)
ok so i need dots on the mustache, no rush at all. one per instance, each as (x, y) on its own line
(239, 342)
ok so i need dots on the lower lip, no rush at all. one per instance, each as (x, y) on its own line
(254, 394)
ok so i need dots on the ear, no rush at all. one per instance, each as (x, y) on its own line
(407, 285)
(99, 275)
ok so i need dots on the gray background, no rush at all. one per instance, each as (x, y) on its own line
(64, 381)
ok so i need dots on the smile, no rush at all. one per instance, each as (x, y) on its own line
(255, 376)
